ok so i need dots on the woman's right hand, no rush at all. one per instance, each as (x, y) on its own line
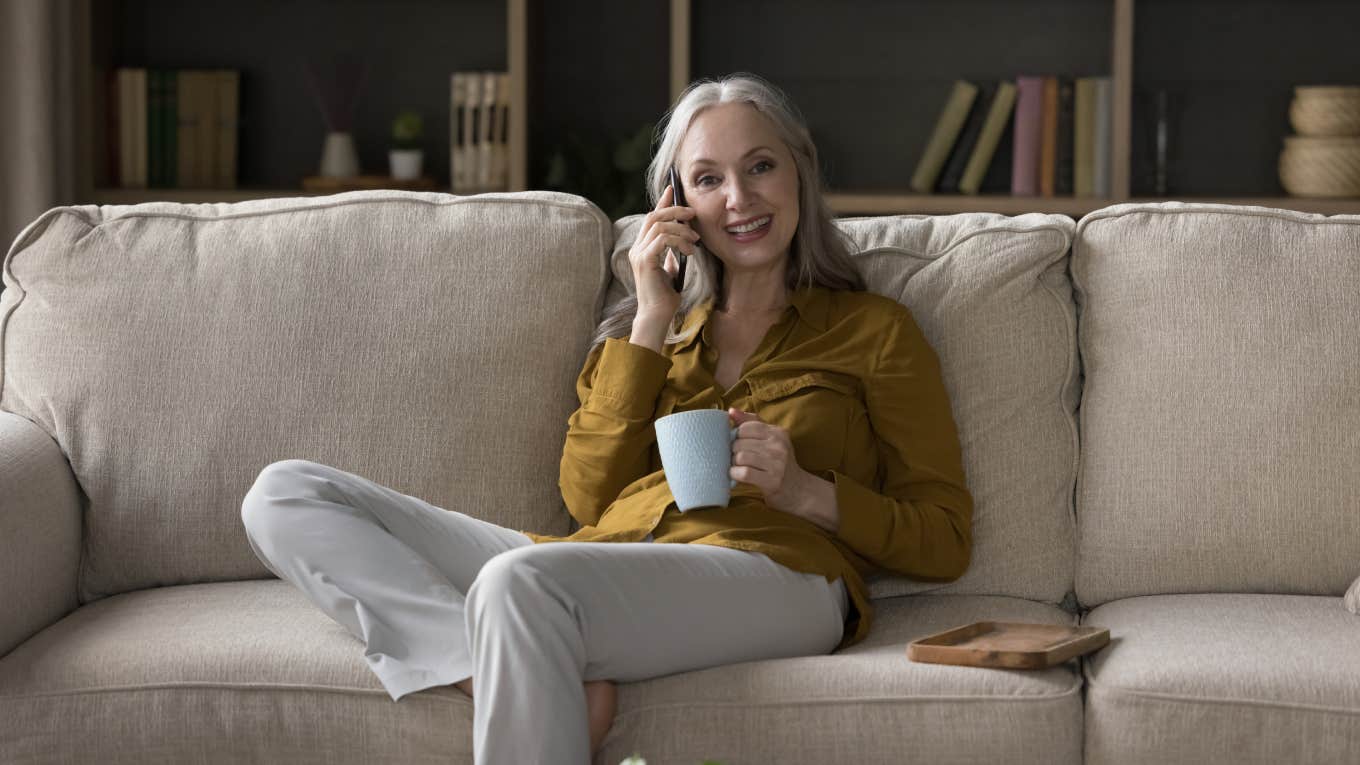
(654, 267)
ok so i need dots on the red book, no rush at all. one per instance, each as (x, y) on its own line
(1029, 98)
(1048, 142)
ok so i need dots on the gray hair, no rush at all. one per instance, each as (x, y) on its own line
(819, 252)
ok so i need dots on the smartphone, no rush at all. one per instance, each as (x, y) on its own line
(678, 194)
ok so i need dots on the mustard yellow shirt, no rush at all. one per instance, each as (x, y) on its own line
(851, 378)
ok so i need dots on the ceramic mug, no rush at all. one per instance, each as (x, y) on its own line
(696, 455)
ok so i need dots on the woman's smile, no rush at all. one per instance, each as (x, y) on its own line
(751, 229)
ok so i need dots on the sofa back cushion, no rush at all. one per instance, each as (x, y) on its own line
(992, 296)
(425, 341)
(1220, 414)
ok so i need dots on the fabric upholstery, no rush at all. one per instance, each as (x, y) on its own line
(1209, 678)
(992, 296)
(1220, 413)
(426, 341)
(251, 671)
(39, 531)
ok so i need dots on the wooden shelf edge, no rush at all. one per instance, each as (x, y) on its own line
(891, 203)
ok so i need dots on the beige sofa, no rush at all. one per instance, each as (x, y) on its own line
(1159, 409)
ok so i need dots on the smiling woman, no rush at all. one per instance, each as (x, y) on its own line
(845, 457)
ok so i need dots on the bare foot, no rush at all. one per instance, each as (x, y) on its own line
(601, 703)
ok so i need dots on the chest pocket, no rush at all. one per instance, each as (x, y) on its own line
(816, 408)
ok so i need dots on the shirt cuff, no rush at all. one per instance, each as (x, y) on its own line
(864, 521)
(628, 379)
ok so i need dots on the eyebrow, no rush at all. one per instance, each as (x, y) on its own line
(707, 161)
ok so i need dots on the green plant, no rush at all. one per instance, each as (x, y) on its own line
(407, 130)
(608, 172)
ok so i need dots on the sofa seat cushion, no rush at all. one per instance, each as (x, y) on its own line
(227, 672)
(867, 703)
(253, 672)
(1224, 678)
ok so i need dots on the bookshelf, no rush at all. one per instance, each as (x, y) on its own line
(281, 127)
(1206, 52)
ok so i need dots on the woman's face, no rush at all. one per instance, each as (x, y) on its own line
(741, 181)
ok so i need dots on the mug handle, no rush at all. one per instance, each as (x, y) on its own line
(731, 436)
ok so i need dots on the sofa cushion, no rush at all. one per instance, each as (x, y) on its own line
(1224, 678)
(224, 672)
(252, 671)
(992, 296)
(425, 341)
(1220, 413)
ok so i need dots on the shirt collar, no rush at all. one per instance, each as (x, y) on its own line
(809, 303)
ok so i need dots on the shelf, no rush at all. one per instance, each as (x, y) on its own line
(845, 203)
(887, 203)
(113, 196)
(281, 128)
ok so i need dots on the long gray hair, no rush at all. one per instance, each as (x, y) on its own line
(819, 253)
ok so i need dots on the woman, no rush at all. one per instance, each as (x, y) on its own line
(846, 455)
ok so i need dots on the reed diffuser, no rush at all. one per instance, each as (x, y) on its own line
(335, 84)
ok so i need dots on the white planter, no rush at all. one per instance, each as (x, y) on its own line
(338, 157)
(406, 163)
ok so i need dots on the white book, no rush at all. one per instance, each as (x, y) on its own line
(502, 135)
(472, 96)
(1101, 151)
(485, 135)
(457, 132)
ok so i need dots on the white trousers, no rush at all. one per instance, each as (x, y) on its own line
(438, 596)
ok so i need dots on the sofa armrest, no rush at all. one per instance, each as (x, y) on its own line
(39, 532)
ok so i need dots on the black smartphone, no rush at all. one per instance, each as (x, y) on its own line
(678, 197)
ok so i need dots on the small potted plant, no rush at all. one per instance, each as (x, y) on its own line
(406, 155)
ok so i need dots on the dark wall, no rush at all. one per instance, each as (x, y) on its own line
(869, 75)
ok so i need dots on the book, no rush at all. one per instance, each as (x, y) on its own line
(1101, 159)
(999, 113)
(227, 127)
(457, 102)
(963, 147)
(1083, 137)
(1048, 142)
(1062, 172)
(486, 130)
(502, 135)
(942, 138)
(132, 109)
(1029, 95)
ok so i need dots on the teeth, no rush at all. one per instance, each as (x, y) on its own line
(752, 226)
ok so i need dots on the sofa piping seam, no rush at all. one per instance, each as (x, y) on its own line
(1186, 699)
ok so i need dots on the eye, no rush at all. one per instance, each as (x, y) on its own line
(765, 164)
(703, 180)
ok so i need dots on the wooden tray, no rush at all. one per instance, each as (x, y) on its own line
(1011, 645)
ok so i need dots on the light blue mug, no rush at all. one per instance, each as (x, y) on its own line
(696, 455)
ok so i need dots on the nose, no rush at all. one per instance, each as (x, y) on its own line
(738, 193)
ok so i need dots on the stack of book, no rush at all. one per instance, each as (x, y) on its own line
(1059, 130)
(479, 132)
(173, 128)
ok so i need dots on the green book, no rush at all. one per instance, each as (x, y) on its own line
(1003, 104)
(946, 132)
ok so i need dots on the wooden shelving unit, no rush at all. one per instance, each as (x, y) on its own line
(94, 59)
(686, 30)
(1127, 50)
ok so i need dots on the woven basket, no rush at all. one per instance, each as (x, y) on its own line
(1325, 115)
(1320, 167)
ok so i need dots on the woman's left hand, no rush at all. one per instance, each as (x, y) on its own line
(762, 455)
